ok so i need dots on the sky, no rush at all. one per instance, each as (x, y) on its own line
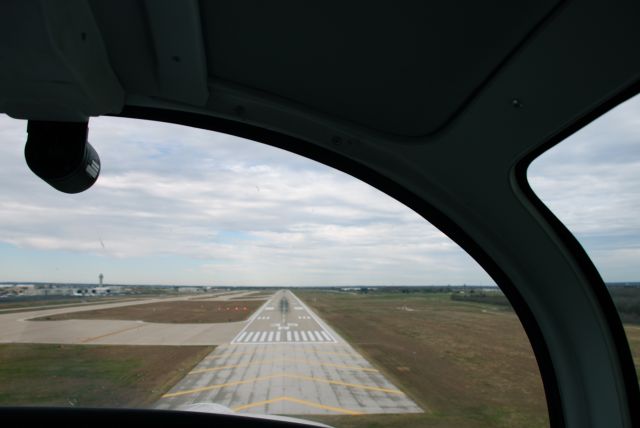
(591, 181)
(177, 205)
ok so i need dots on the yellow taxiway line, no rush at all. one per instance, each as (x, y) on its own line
(90, 339)
(231, 354)
(283, 375)
(350, 385)
(220, 385)
(284, 360)
(299, 401)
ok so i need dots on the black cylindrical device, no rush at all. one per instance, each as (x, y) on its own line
(59, 153)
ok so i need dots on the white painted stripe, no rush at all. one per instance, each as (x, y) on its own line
(319, 338)
(270, 337)
(278, 336)
(248, 338)
(313, 316)
(311, 337)
(329, 338)
(239, 338)
(262, 336)
(304, 336)
(288, 336)
(295, 335)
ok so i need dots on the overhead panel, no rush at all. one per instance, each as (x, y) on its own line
(126, 34)
(404, 67)
(177, 37)
(57, 67)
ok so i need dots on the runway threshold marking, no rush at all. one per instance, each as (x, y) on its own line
(283, 375)
(90, 339)
(284, 360)
(299, 401)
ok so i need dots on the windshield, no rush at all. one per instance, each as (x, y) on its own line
(591, 182)
(206, 272)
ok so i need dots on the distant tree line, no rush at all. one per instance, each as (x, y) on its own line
(481, 297)
(625, 298)
(627, 301)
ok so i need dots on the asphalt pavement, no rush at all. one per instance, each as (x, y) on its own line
(286, 360)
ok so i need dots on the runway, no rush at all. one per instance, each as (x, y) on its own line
(286, 360)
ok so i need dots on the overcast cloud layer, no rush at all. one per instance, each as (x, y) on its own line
(591, 181)
(175, 205)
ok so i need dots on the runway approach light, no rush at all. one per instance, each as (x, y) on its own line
(59, 153)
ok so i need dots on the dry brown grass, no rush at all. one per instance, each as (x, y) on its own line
(466, 364)
(170, 312)
(633, 336)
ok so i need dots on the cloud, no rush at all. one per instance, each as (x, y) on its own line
(591, 181)
(180, 205)
(218, 209)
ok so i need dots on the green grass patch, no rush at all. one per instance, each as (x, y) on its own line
(92, 375)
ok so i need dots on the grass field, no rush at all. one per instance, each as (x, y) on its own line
(467, 364)
(92, 376)
(170, 312)
(633, 336)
